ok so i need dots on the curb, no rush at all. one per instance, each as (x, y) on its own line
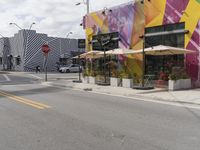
(136, 96)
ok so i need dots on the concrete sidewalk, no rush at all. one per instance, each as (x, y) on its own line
(185, 96)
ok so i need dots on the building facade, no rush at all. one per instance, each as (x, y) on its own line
(22, 52)
(139, 17)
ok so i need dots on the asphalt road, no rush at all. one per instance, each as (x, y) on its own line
(38, 117)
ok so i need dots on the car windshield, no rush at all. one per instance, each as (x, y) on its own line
(65, 65)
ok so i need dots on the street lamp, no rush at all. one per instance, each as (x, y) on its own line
(1, 35)
(68, 34)
(16, 25)
(31, 25)
(3, 51)
(69, 38)
(79, 64)
(27, 34)
(20, 27)
(87, 3)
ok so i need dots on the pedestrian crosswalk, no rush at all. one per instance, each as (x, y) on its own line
(4, 78)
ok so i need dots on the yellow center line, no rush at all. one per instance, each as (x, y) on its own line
(25, 101)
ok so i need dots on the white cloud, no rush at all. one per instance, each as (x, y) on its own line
(53, 17)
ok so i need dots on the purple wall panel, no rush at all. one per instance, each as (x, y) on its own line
(193, 60)
(174, 10)
(121, 20)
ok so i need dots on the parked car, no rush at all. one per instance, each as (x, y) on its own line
(70, 68)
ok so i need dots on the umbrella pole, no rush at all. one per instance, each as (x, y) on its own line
(104, 52)
(109, 66)
(143, 64)
(79, 66)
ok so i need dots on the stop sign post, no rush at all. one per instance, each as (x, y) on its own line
(45, 50)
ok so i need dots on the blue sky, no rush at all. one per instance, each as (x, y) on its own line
(53, 17)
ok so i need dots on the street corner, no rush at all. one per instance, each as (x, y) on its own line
(46, 83)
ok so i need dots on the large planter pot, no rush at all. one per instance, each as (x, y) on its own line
(85, 79)
(179, 84)
(173, 85)
(127, 83)
(187, 84)
(92, 80)
(114, 81)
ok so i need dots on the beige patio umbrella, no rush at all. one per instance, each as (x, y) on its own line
(90, 54)
(119, 51)
(93, 54)
(164, 50)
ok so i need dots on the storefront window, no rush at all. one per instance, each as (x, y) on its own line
(157, 64)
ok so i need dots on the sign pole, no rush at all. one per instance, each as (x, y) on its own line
(79, 66)
(46, 67)
(45, 49)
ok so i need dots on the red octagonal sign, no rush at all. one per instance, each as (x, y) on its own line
(45, 48)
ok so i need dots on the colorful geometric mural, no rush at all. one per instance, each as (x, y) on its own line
(174, 11)
(130, 20)
(121, 20)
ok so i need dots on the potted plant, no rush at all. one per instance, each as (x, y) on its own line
(173, 83)
(85, 77)
(186, 82)
(162, 80)
(127, 81)
(115, 79)
(179, 80)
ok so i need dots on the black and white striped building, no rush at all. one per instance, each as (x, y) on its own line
(23, 51)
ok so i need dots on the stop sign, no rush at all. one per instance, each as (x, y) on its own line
(45, 48)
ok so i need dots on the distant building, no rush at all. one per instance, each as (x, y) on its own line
(23, 51)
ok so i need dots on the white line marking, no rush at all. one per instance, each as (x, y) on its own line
(35, 76)
(6, 77)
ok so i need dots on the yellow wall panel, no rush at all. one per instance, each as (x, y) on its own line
(191, 17)
(154, 12)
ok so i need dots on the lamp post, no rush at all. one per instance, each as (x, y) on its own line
(103, 44)
(68, 43)
(31, 25)
(87, 3)
(79, 69)
(68, 36)
(3, 51)
(16, 25)
(1, 35)
(27, 34)
(104, 41)
(79, 65)
(143, 63)
(12, 23)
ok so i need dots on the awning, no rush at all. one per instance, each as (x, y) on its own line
(99, 54)
(164, 50)
(119, 51)
(90, 54)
